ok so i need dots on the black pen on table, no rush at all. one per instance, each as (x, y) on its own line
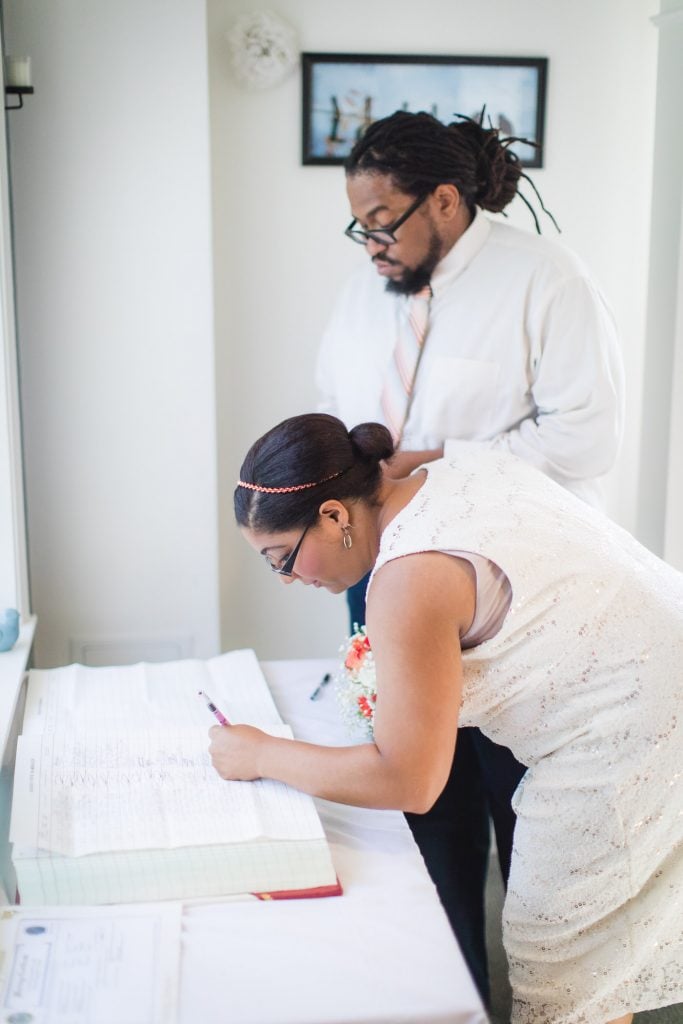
(323, 682)
(213, 709)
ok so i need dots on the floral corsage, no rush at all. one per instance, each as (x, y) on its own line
(355, 684)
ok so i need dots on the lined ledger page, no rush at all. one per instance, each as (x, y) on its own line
(117, 759)
(149, 696)
(78, 794)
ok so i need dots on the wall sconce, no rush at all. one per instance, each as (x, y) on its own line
(17, 80)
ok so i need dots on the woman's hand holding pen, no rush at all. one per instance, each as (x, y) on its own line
(234, 751)
(233, 747)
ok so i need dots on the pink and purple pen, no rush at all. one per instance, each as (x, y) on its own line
(213, 709)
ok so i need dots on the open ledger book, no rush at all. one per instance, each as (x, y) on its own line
(115, 798)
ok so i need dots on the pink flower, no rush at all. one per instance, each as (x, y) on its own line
(356, 656)
(356, 687)
(365, 707)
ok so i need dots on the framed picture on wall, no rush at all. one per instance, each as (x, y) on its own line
(344, 93)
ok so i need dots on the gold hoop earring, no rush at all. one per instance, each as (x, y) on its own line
(347, 539)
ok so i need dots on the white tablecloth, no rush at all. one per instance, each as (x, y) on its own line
(383, 953)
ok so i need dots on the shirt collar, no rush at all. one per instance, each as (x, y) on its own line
(459, 257)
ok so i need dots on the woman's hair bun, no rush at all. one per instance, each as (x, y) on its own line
(372, 442)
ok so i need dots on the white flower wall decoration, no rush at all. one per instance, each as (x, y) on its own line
(263, 49)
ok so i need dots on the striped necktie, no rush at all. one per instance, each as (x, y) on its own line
(400, 381)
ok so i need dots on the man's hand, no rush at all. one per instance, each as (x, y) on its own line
(403, 463)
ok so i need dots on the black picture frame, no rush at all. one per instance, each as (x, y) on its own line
(344, 92)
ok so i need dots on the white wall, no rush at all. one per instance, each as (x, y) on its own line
(110, 164)
(673, 522)
(13, 560)
(280, 255)
(113, 264)
(660, 518)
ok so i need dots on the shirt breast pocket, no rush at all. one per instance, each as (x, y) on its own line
(462, 395)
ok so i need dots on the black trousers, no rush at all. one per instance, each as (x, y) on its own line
(454, 835)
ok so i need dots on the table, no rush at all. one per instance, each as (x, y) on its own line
(383, 953)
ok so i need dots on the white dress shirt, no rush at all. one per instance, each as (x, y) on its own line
(522, 353)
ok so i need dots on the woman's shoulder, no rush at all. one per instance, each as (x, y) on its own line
(420, 589)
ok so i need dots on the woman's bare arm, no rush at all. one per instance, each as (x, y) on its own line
(418, 607)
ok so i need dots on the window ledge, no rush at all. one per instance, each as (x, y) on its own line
(12, 668)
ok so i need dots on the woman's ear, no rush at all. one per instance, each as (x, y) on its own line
(334, 511)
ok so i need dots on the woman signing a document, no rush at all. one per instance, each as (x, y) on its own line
(498, 599)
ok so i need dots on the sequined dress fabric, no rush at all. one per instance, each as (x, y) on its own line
(584, 683)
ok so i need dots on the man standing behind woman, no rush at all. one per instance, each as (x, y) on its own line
(463, 328)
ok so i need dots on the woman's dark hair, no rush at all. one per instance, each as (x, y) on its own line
(314, 449)
(419, 152)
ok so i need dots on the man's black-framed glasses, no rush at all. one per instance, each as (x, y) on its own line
(382, 236)
(287, 568)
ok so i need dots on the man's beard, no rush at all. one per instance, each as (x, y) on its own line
(413, 281)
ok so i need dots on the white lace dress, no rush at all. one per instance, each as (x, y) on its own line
(583, 682)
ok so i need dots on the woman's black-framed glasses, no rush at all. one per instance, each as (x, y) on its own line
(383, 236)
(288, 567)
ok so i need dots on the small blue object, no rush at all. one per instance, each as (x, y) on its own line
(9, 629)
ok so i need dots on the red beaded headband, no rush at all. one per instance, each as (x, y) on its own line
(287, 490)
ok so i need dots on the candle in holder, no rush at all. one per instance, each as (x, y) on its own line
(18, 71)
